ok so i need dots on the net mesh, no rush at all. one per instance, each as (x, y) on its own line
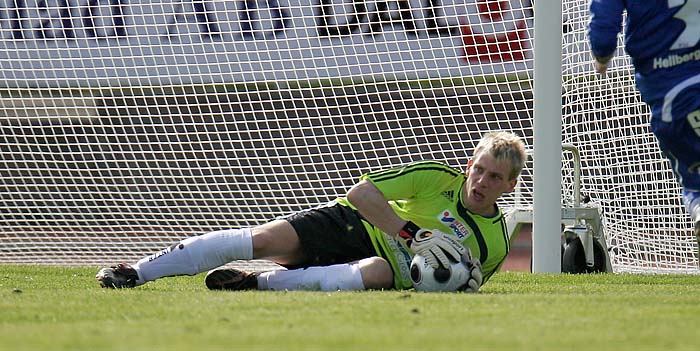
(128, 126)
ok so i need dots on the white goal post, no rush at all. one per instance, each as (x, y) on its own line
(125, 126)
(546, 227)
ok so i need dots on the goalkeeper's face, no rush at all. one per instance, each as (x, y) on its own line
(487, 180)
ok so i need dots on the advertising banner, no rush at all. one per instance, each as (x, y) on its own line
(91, 43)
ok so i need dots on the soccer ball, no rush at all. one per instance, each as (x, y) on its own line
(426, 278)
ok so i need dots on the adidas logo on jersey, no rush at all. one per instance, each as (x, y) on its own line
(449, 194)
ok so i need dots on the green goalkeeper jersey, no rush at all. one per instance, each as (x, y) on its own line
(429, 194)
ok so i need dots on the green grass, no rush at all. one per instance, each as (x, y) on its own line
(49, 308)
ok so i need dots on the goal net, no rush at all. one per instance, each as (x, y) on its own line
(127, 126)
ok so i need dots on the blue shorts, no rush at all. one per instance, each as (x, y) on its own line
(679, 138)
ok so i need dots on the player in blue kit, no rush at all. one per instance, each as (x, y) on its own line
(663, 39)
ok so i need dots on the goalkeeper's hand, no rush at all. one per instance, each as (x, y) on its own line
(434, 245)
(476, 276)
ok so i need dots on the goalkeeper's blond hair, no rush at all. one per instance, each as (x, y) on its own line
(504, 146)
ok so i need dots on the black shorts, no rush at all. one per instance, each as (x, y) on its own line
(331, 234)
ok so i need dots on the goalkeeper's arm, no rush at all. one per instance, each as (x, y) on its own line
(374, 207)
(434, 245)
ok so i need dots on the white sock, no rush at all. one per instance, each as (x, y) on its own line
(196, 254)
(328, 278)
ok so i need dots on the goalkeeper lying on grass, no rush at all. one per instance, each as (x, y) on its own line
(365, 240)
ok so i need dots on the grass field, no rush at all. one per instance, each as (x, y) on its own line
(51, 308)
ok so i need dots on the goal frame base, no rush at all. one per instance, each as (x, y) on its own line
(581, 225)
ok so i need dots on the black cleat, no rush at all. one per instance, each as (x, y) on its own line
(117, 277)
(231, 279)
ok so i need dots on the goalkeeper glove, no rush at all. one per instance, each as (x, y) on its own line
(434, 245)
(476, 276)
